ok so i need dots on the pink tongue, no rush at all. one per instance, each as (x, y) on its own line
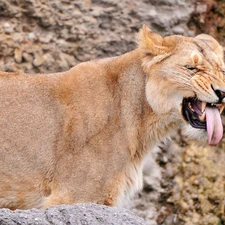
(214, 125)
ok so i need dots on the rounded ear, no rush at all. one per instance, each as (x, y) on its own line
(212, 43)
(154, 44)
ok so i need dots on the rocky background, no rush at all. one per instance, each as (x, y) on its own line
(54, 35)
(184, 183)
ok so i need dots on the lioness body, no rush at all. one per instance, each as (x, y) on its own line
(81, 135)
(52, 152)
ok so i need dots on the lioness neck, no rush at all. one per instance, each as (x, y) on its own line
(143, 126)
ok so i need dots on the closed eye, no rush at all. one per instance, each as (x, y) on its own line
(223, 71)
(190, 67)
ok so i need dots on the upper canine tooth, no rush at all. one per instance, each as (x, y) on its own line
(203, 106)
(222, 107)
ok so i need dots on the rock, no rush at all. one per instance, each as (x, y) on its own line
(38, 60)
(27, 57)
(8, 28)
(86, 214)
(18, 55)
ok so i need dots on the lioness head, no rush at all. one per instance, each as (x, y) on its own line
(185, 79)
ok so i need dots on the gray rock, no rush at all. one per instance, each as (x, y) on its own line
(79, 214)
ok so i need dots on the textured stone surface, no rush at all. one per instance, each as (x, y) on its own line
(49, 36)
(80, 214)
(208, 17)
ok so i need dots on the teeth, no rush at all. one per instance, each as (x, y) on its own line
(203, 106)
(202, 117)
(189, 105)
(222, 108)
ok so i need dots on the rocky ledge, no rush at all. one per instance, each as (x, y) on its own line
(79, 214)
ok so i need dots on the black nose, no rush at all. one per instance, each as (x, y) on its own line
(220, 95)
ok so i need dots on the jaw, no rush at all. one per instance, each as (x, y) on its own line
(193, 134)
(203, 119)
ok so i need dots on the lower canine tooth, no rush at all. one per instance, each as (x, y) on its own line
(202, 117)
(222, 108)
(189, 105)
(203, 106)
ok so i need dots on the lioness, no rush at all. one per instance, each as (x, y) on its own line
(82, 135)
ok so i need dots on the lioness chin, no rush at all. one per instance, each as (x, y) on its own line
(82, 135)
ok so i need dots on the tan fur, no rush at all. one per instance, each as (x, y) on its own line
(82, 135)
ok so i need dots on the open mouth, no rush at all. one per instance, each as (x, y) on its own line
(203, 115)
